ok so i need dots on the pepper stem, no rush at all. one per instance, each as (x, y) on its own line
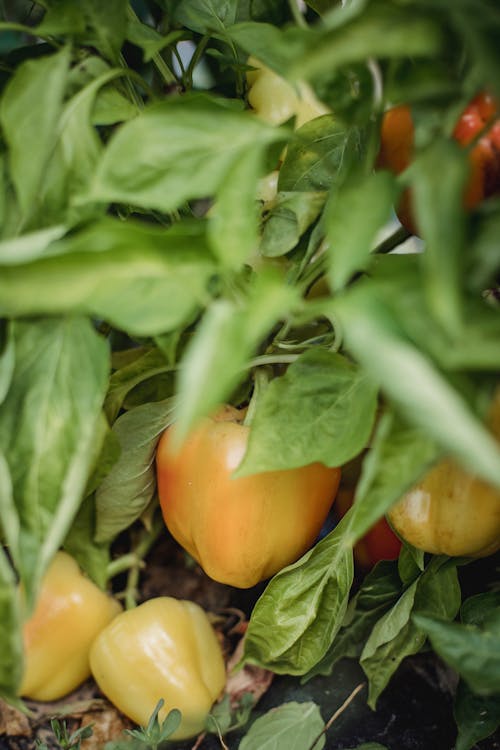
(260, 383)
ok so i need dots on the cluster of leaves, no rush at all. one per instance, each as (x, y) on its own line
(125, 303)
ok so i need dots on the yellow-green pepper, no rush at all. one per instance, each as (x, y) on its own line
(275, 100)
(70, 611)
(450, 511)
(164, 648)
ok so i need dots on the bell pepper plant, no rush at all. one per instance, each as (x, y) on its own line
(197, 209)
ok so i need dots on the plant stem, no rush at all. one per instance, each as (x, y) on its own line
(261, 380)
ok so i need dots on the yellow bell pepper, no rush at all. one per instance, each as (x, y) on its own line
(450, 511)
(164, 648)
(70, 611)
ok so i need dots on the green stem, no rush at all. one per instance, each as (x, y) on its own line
(200, 49)
(157, 58)
(297, 15)
(134, 562)
(260, 381)
(272, 359)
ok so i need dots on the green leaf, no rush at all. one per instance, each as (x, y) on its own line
(30, 109)
(322, 409)
(11, 653)
(290, 215)
(92, 557)
(30, 246)
(149, 363)
(474, 652)
(476, 610)
(399, 454)
(108, 22)
(7, 361)
(379, 591)
(379, 32)
(143, 279)
(319, 155)
(149, 40)
(233, 220)
(396, 636)
(438, 177)
(354, 215)
(47, 430)
(151, 160)
(130, 485)
(302, 609)
(273, 46)
(291, 726)
(410, 379)
(228, 335)
(477, 716)
(206, 16)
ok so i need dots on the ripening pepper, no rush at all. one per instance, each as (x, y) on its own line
(479, 121)
(241, 530)
(70, 611)
(164, 648)
(450, 511)
(275, 100)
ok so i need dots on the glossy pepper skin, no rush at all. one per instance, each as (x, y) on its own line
(477, 121)
(242, 530)
(451, 512)
(164, 648)
(70, 612)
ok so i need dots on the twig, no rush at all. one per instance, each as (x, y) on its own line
(337, 713)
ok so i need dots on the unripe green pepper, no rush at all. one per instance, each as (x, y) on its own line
(275, 100)
(164, 648)
(70, 611)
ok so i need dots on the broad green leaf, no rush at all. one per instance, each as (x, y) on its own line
(92, 557)
(411, 380)
(233, 220)
(30, 109)
(291, 726)
(11, 653)
(150, 40)
(62, 17)
(143, 279)
(30, 246)
(273, 46)
(438, 177)
(289, 217)
(379, 591)
(379, 31)
(354, 215)
(478, 608)
(151, 362)
(396, 636)
(319, 155)
(477, 716)
(322, 409)
(294, 622)
(108, 22)
(128, 488)
(47, 430)
(206, 16)
(217, 356)
(474, 652)
(399, 454)
(176, 151)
